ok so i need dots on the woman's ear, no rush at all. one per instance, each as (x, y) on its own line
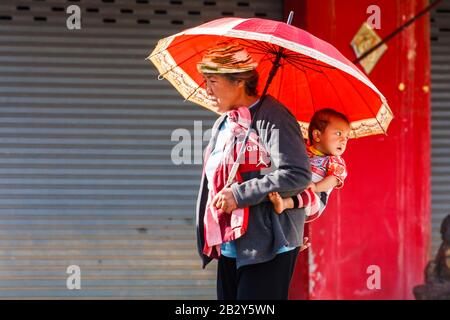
(240, 83)
(316, 135)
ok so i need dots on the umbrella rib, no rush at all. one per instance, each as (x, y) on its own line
(308, 67)
(261, 46)
(298, 59)
(297, 55)
(273, 48)
(298, 64)
(193, 92)
(362, 98)
(302, 57)
(259, 52)
(265, 58)
(310, 93)
(269, 47)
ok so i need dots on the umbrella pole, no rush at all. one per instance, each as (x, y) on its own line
(272, 73)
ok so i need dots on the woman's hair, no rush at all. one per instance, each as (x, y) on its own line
(321, 119)
(250, 79)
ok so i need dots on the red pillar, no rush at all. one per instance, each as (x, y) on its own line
(381, 217)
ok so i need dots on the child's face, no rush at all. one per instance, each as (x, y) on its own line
(333, 140)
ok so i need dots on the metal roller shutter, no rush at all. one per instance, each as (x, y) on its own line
(440, 107)
(85, 151)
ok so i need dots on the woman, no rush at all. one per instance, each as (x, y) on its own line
(258, 264)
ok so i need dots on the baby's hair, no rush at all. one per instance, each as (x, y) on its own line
(321, 119)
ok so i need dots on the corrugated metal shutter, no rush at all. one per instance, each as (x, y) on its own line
(85, 151)
(440, 113)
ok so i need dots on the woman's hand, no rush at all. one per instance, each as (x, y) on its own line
(305, 244)
(312, 186)
(225, 200)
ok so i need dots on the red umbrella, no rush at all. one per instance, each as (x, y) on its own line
(312, 74)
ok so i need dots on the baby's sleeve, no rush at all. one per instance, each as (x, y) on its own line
(337, 168)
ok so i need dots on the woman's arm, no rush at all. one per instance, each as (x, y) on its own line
(279, 131)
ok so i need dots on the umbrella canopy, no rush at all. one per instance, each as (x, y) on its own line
(312, 74)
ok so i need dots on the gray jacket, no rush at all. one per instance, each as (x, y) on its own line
(290, 174)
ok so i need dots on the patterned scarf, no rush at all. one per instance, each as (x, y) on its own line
(219, 226)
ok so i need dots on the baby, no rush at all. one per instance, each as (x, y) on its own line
(328, 133)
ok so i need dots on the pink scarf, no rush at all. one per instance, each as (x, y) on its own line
(219, 226)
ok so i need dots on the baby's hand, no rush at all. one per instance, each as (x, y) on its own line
(312, 186)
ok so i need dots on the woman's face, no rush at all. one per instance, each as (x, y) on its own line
(224, 93)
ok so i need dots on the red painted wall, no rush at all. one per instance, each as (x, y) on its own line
(382, 215)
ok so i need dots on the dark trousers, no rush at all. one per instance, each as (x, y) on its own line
(262, 281)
